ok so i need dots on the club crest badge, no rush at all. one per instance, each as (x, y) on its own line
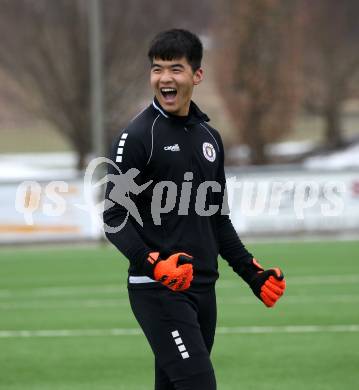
(209, 151)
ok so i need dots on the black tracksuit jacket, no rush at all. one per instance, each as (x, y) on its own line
(163, 147)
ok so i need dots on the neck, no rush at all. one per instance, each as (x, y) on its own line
(184, 111)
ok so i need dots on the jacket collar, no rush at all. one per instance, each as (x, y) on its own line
(194, 116)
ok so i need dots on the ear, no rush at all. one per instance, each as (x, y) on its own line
(197, 76)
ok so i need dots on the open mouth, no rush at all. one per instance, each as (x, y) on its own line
(169, 94)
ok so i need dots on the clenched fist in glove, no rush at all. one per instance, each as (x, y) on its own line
(175, 272)
(267, 285)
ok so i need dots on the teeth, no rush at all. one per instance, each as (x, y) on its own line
(168, 89)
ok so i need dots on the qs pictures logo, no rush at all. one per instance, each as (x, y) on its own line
(31, 197)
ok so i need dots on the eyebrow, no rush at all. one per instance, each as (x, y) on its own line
(171, 66)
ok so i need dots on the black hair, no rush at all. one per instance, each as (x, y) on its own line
(177, 43)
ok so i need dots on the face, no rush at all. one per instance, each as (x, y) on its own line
(173, 82)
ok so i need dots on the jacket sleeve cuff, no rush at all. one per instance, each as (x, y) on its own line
(249, 269)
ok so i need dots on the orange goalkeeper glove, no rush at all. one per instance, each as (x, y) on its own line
(175, 272)
(267, 285)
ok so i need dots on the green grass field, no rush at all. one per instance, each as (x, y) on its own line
(310, 341)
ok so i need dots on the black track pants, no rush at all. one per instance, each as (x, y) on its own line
(180, 328)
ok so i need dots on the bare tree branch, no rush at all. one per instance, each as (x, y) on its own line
(331, 60)
(45, 50)
(256, 69)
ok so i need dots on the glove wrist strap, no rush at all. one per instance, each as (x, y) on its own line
(150, 263)
(251, 271)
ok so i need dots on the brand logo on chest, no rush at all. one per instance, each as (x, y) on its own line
(208, 151)
(172, 148)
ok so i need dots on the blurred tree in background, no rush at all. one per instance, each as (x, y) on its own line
(45, 51)
(331, 60)
(257, 63)
(270, 58)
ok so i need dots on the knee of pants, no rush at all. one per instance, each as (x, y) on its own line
(162, 381)
(204, 380)
(181, 369)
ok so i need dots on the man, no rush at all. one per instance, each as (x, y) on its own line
(173, 252)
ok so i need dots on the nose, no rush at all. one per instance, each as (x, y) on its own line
(166, 77)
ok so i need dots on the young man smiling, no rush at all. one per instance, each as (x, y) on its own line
(173, 264)
(173, 82)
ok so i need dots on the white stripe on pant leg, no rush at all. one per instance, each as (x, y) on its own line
(178, 340)
(181, 347)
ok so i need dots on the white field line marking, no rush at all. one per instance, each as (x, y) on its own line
(55, 291)
(60, 291)
(111, 289)
(324, 279)
(86, 303)
(304, 280)
(289, 329)
(220, 331)
(112, 303)
(292, 299)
